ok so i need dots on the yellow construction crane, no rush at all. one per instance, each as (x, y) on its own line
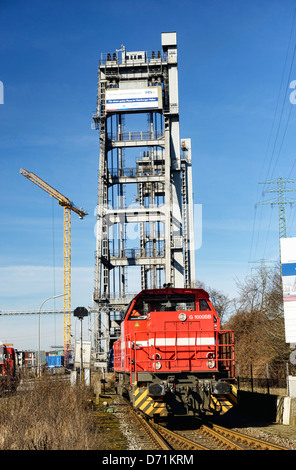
(68, 207)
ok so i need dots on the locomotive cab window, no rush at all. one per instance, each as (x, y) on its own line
(137, 312)
(203, 305)
(171, 303)
(161, 303)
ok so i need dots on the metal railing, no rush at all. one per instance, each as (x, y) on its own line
(144, 349)
(149, 252)
(135, 135)
(152, 57)
(125, 253)
(133, 172)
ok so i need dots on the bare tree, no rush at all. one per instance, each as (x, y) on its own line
(220, 301)
(258, 321)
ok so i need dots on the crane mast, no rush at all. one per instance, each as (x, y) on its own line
(68, 207)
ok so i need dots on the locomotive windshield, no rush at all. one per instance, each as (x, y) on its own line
(164, 302)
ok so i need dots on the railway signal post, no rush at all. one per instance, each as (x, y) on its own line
(81, 312)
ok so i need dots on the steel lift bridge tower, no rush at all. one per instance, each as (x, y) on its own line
(145, 201)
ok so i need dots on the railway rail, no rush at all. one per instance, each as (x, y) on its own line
(201, 436)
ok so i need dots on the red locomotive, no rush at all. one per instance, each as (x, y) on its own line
(172, 357)
(9, 377)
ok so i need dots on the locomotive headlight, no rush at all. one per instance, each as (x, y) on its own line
(211, 364)
(157, 365)
(182, 316)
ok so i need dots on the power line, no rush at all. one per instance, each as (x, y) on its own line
(278, 129)
(284, 98)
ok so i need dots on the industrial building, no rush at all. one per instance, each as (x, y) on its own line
(144, 232)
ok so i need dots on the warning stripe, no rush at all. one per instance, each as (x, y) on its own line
(141, 397)
(234, 389)
(222, 403)
(146, 403)
(156, 408)
(150, 407)
(226, 402)
(233, 394)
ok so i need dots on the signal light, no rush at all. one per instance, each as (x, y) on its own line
(210, 355)
(157, 356)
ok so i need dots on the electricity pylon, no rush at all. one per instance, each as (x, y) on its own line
(281, 201)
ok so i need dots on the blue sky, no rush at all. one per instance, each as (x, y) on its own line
(235, 65)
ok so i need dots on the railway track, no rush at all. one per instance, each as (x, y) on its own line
(234, 440)
(201, 436)
(211, 437)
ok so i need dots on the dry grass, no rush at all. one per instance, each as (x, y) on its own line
(51, 416)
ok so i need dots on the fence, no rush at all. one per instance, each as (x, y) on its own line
(265, 378)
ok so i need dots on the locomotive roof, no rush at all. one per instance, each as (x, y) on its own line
(200, 293)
